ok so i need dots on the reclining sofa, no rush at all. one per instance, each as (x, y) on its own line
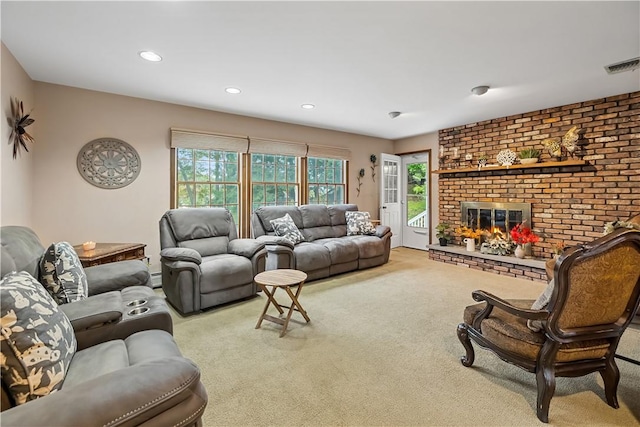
(107, 359)
(327, 249)
(115, 291)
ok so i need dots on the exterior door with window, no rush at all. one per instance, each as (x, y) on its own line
(415, 201)
(390, 191)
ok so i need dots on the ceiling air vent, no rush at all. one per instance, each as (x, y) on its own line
(620, 67)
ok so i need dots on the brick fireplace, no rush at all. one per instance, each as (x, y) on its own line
(569, 203)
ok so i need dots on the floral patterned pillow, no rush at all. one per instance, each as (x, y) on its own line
(359, 223)
(62, 274)
(37, 339)
(285, 227)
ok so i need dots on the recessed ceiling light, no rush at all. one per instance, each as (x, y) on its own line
(308, 106)
(480, 90)
(233, 90)
(150, 56)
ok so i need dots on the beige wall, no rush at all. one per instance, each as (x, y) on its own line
(420, 143)
(66, 207)
(16, 176)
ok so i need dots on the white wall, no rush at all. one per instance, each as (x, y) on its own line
(66, 207)
(16, 176)
(419, 143)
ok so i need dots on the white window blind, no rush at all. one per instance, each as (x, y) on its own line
(184, 138)
(270, 146)
(327, 152)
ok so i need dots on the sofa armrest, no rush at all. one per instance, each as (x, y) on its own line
(181, 254)
(275, 241)
(245, 247)
(94, 311)
(165, 391)
(381, 230)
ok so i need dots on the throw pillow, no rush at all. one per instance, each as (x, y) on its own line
(37, 339)
(62, 273)
(539, 304)
(359, 223)
(286, 228)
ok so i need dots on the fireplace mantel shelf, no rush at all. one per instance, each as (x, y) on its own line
(513, 167)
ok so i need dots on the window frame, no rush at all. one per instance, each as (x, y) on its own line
(245, 183)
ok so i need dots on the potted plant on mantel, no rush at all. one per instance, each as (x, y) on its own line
(529, 155)
(443, 234)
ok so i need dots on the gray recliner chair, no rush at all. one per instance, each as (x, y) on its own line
(204, 263)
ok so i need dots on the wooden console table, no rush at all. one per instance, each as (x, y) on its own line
(110, 252)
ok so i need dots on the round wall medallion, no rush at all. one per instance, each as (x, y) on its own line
(108, 163)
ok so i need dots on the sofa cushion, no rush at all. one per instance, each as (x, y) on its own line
(224, 271)
(23, 246)
(338, 218)
(311, 256)
(115, 276)
(359, 223)
(200, 223)
(37, 339)
(207, 245)
(62, 273)
(267, 213)
(316, 221)
(340, 250)
(368, 246)
(285, 227)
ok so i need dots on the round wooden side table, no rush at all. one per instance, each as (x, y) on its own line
(286, 279)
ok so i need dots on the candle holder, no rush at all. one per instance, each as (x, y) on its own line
(89, 246)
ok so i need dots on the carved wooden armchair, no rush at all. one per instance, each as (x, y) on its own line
(595, 296)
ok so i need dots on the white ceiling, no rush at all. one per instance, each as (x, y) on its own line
(356, 61)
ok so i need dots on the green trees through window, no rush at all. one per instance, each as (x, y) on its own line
(208, 178)
(213, 178)
(274, 180)
(326, 181)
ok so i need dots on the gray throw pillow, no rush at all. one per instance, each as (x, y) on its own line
(286, 228)
(62, 274)
(539, 304)
(37, 339)
(359, 223)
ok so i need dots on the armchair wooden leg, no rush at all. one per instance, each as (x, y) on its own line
(546, 380)
(611, 377)
(463, 336)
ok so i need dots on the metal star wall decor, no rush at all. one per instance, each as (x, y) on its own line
(18, 122)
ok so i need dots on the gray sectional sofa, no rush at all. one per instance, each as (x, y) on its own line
(327, 250)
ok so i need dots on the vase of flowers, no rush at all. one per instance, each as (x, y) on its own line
(470, 235)
(558, 248)
(521, 235)
(496, 244)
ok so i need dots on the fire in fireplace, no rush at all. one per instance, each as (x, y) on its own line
(495, 215)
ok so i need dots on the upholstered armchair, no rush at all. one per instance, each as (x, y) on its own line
(204, 263)
(594, 295)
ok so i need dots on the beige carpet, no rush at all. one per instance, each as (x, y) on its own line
(381, 350)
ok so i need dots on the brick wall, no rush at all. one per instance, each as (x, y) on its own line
(494, 266)
(569, 204)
